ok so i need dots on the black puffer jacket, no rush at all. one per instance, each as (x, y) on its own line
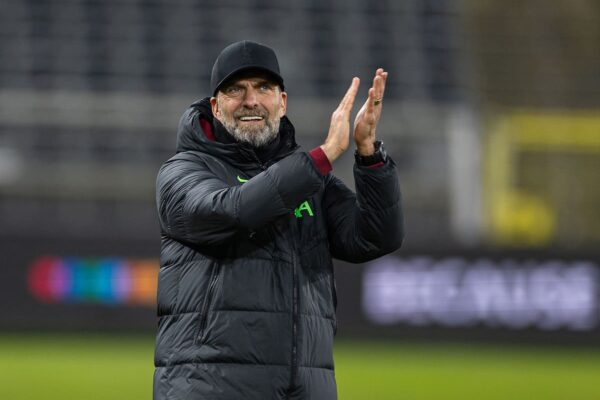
(246, 293)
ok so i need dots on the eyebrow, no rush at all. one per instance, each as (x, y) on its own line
(255, 83)
(263, 82)
(258, 82)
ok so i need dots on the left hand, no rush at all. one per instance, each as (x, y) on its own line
(365, 124)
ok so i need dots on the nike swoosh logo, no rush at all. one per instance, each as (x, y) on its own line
(241, 179)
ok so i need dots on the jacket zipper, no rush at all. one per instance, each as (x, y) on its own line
(294, 321)
(204, 315)
(295, 310)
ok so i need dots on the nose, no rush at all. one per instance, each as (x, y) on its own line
(250, 98)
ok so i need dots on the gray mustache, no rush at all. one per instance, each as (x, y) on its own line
(249, 113)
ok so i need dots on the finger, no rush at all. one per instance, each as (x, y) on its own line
(370, 104)
(348, 99)
(378, 88)
(379, 84)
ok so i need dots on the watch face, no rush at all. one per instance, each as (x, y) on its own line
(383, 152)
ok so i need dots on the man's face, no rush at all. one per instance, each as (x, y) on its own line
(250, 108)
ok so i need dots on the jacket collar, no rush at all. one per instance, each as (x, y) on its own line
(197, 132)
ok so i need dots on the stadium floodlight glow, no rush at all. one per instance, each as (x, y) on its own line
(109, 281)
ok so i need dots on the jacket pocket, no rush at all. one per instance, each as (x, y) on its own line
(214, 278)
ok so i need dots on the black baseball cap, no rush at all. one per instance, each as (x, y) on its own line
(242, 56)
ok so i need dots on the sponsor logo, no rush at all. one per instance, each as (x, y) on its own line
(456, 292)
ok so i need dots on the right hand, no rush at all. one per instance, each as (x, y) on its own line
(338, 138)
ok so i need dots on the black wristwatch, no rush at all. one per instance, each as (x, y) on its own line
(379, 156)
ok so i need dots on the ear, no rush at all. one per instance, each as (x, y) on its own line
(214, 106)
(283, 103)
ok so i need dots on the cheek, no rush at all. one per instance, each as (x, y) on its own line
(229, 104)
(277, 108)
(225, 111)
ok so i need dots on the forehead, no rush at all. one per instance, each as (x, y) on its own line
(250, 76)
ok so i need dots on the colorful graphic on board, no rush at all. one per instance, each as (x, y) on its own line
(110, 281)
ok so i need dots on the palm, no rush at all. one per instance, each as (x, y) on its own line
(365, 123)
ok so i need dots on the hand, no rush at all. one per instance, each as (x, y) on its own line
(338, 137)
(367, 118)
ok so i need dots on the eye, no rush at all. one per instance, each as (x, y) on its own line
(232, 90)
(265, 87)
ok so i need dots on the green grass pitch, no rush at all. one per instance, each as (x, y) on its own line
(112, 367)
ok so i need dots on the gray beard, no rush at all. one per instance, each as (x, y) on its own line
(252, 136)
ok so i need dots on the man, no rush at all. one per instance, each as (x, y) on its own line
(249, 224)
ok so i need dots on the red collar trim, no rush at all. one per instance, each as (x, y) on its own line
(207, 128)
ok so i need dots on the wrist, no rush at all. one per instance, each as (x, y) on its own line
(330, 152)
(365, 149)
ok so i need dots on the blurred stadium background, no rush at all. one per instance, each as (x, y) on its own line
(491, 113)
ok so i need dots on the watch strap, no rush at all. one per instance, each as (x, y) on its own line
(379, 156)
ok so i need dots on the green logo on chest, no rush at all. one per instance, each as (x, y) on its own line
(303, 207)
